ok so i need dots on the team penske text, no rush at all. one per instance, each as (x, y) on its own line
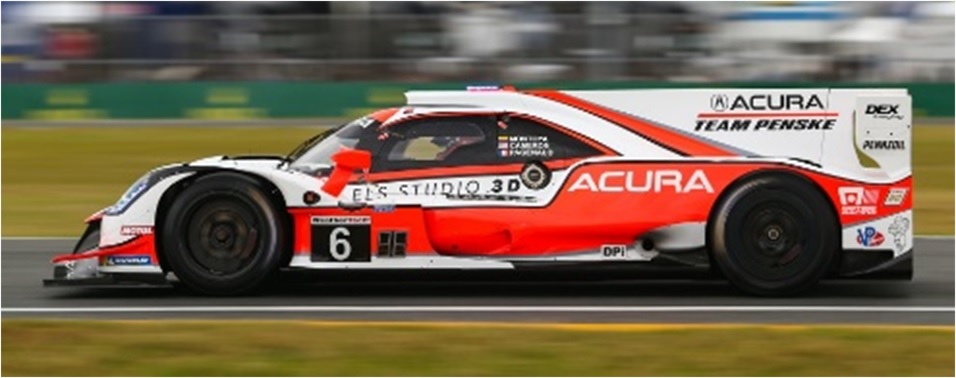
(765, 124)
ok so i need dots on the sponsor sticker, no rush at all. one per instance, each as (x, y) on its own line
(136, 230)
(783, 101)
(869, 237)
(883, 111)
(899, 229)
(383, 208)
(656, 181)
(884, 144)
(895, 196)
(420, 188)
(342, 220)
(614, 251)
(129, 260)
(535, 176)
(765, 112)
(856, 200)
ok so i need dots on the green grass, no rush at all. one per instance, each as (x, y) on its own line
(933, 180)
(55, 177)
(177, 348)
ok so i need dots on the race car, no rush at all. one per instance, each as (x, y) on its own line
(771, 189)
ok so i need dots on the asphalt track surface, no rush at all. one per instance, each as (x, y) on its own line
(927, 300)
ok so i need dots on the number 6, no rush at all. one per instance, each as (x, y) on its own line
(338, 238)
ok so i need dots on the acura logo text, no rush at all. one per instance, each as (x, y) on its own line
(765, 102)
(668, 180)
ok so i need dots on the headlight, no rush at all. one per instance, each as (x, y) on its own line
(137, 189)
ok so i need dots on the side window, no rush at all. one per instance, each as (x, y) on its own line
(527, 140)
(437, 142)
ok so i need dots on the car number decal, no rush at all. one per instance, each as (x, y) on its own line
(341, 238)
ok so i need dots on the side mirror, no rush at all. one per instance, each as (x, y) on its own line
(346, 162)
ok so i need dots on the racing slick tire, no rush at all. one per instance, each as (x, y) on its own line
(223, 236)
(775, 235)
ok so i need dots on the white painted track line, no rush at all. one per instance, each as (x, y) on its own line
(40, 238)
(28, 238)
(486, 309)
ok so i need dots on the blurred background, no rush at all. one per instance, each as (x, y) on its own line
(519, 41)
(57, 49)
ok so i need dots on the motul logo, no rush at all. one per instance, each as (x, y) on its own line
(643, 182)
(136, 230)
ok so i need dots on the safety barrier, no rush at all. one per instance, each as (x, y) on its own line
(278, 100)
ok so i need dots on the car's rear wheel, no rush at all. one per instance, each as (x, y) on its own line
(775, 235)
(222, 235)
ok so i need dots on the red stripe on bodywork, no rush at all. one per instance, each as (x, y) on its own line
(460, 171)
(766, 115)
(670, 139)
(383, 115)
(95, 217)
(140, 245)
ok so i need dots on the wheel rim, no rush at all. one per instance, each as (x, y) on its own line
(774, 242)
(222, 236)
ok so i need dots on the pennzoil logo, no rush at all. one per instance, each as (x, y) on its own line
(888, 144)
(656, 181)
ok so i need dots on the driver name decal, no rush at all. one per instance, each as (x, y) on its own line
(524, 146)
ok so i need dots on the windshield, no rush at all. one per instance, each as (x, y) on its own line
(319, 149)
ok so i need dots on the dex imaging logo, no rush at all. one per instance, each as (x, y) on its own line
(869, 237)
(883, 111)
(856, 200)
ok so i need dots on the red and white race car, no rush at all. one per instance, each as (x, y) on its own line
(773, 189)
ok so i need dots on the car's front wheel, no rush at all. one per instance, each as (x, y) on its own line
(222, 235)
(774, 235)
